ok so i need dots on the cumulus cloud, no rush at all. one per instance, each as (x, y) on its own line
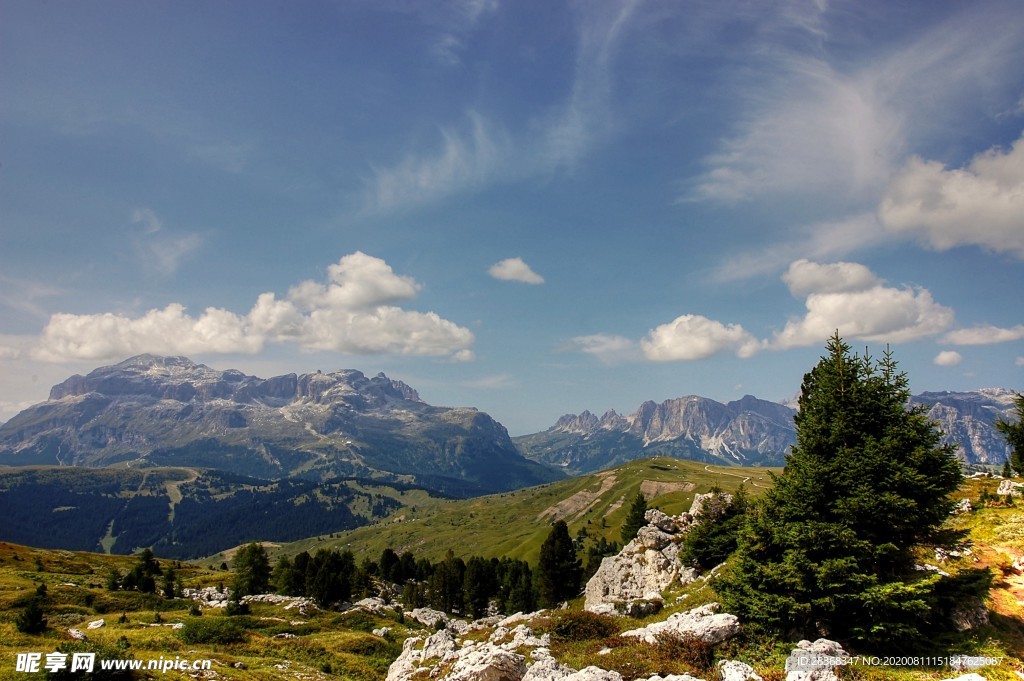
(804, 277)
(843, 296)
(981, 204)
(350, 313)
(691, 337)
(948, 358)
(984, 335)
(514, 269)
(859, 306)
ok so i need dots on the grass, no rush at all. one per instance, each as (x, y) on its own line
(328, 645)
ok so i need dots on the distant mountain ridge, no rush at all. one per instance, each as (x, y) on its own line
(748, 431)
(170, 411)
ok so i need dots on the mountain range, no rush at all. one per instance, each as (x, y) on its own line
(748, 431)
(170, 411)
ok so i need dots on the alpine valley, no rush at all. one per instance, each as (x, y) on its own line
(163, 452)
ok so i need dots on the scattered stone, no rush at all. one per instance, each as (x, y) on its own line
(701, 623)
(77, 634)
(814, 661)
(429, 618)
(1011, 488)
(96, 624)
(373, 605)
(962, 506)
(285, 635)
(733, 670)
(382, 632)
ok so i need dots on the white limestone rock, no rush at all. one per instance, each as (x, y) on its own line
(1011, 488)
(487, 662)
(814, 661)
(428, 617)
(701, 623)
(733, 670)
(96, 624)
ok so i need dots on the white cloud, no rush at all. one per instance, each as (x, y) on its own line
(606, 347)
(842, 296)
(981, 204)
(1019, 361)
(691, 337)
(514, 269)
(984, 335)
(351, 313)
(948, 358)
(871, 312)
(804, 277)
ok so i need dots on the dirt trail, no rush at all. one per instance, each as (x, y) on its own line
(579, 503)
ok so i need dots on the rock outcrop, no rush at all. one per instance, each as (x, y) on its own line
(704, 624)
(632, 582)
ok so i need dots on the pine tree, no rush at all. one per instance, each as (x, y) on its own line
(1014, 434)
(635, 518)
(827, 551)
(252, 571)
(558, 572)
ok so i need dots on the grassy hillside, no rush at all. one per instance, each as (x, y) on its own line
(329, 645)
(514, 524)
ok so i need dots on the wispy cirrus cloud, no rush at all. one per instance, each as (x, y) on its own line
(158, 249)
(355, 312)
(480, 151)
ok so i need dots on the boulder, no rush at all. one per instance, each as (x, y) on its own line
(701, 623)
(815, 661)
(77, 634)
(96, 624)
(970, 614)
(487, 662)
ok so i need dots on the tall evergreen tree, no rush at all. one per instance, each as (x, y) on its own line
(558, 572)
(1014, 434)
(635, 518)
(827, 551)
(252, 571)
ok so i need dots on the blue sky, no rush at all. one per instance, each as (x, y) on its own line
(530, 207)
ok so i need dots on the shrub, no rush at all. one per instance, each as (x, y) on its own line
(212, 630)
(582, 626)
(687, 649)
